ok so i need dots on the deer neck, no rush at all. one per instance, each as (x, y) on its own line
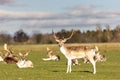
(64, 50)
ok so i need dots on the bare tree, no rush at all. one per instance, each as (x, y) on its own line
(99, 33)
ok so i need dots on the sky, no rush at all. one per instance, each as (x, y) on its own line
(42, 16)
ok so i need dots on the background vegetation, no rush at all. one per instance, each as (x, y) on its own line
(96, 36)
(56, 70)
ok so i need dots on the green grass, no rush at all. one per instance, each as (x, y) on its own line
(56, 70)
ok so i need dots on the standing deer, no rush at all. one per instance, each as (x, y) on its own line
(76, 52)
(23, 63)
(51, 56)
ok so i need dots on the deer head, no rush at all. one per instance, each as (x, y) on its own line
(23, 55)
(23, 63)
(62, 41)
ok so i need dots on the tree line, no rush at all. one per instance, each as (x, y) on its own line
(94, 36)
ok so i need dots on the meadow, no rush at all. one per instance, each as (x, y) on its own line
(56, 70)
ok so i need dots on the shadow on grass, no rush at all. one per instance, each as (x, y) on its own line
(55, 71)
(86, 71)
(73, 71)
(58, 71)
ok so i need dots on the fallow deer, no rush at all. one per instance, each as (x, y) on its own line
(97, 58)
(23, 63)
(9, 56)
(51, 56)
(76, 52)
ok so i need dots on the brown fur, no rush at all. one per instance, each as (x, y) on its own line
(77, 48)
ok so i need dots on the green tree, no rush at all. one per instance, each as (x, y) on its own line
(37, 37)
(5, 38)
(20, 36)
(116, 34)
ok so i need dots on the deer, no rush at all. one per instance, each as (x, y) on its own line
(23, 63)
(75, 62)
(9, 57)
(97, 58)
(75, 52)
(51, 56)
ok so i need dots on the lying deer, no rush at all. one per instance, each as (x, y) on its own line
(76, 52)
(23, 63)
(9, 56)
(74, 62)
(97, 58)
(51, 56)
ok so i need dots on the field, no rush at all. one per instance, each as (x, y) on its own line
(56, 70)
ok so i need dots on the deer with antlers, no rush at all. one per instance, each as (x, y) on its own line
(76, 52)
(9, 56)
(23, 63)
(51, 56)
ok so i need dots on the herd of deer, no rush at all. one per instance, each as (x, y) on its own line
(72, 53)
(10, 58)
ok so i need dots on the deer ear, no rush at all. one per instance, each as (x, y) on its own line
(48, 49)
(26, 54)
(20, 54)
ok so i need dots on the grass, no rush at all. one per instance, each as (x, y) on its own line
(56, 70)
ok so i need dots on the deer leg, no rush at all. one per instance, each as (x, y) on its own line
(69, 66)
(46, 59)
(94, 65)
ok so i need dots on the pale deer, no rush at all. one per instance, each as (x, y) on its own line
(51, 56)
(76, 52)
(23, 63)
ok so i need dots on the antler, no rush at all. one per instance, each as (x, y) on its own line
(6, 49)
(65, 39)
(56, 38)
(24, 54)
(27, 52)
(69, 36)
(49, 52)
